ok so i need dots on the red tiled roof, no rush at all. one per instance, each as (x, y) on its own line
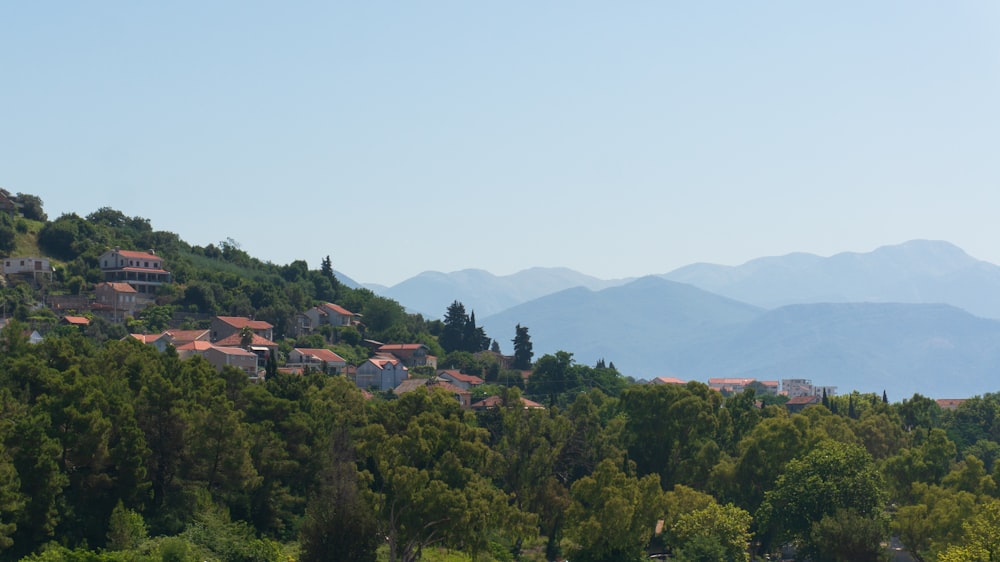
(401, 346)
(147, 338)
(244, 322)
(668, 380)
(235, 340)
(120, 287)
(321, 354)
(950, 403)
(184, 336)
(196, 345)
(381, 361)
(77, 320)
(337, 308)
(461, 377)
(138, 255)
(231, 350)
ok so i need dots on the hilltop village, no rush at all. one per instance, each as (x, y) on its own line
(193, 403)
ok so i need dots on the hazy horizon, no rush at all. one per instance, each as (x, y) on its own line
(614, 140)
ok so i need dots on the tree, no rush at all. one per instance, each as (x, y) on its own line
(453, 333)
(554, 375)
(431, 473)
(338, 524)
(724, 525)
(31, 207)
(833, 476)
(522, 349)
(613, 514)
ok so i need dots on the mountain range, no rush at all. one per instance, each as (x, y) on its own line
(915, 317)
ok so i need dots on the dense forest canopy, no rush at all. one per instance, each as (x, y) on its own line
(113, 450)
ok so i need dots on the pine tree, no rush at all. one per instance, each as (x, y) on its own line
(522, 348)
(453, 333)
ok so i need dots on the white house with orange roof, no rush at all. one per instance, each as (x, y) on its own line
(381, 373)
(143, 270)
(317, 359)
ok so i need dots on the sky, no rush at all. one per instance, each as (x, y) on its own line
(618, 139)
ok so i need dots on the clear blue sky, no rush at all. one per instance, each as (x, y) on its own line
(615, 138)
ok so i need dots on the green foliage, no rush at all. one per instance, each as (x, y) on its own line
(833, 476)
(126, 530)
(613, 514)
(522, 348)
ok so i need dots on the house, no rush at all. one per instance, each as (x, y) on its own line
(491, 402)
(667, 380)
(324, 314)
(176, 338)
(262, 347)
(224, 326)
(411, 354)
(463, 396)
(799, 403)
(804, 387)
(729, 385)
(193, 348)
(143, 270)
(460, 379)
(320, 359)
(159, 341)
(80, 321)
(116, 300)
(28, 267)
(221, 357)
(950, 403)
(381, 373)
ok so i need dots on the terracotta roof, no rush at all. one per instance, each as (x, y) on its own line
(197, 345)
(235, 340)
(460, 376)
(381, 361)
(390, 347)
(138, 255)
(244, 322)
(120, 287)
(337, 308)
(184, 336)
(950, 403)
(321, 354)
(77, 320)
(668, 380)
(231, 350)
(147, 338)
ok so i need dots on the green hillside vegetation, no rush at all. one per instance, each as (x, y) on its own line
(113, 451)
